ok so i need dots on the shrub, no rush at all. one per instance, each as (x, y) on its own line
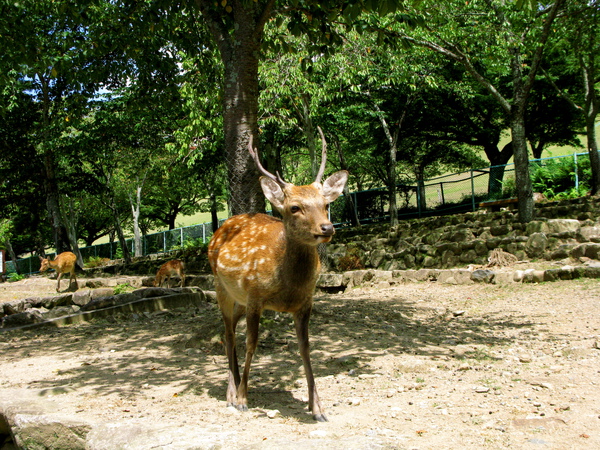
(14, 276)
(351, 261)
(555, 178)
(95, 261)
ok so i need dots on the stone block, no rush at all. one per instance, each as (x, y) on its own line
(455, 276)
(330, 280)
(563, 226)
(589, 232)
(82, 297)
(536, 245)
(483, 276)
(503, 278)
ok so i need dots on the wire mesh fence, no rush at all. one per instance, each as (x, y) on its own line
(449, 194)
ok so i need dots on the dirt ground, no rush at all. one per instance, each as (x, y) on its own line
(415, 366)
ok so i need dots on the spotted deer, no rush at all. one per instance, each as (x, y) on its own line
(63, 263)
(173, 268)
(261, 262)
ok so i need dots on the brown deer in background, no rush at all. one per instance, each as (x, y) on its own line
(261, 262)
(63, 263)
(174, 268)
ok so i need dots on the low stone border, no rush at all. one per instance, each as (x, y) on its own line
(96, 303)
(339, 282)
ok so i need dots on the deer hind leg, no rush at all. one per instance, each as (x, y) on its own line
(231, 313)
(73, 277)
(252, 323)
(301, 319)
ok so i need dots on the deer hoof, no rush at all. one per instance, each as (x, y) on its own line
(242, 408)
(320, 418)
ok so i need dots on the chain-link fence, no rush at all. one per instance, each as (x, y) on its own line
(448, 194)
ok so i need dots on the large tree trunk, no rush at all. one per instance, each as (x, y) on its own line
(240, 49)
(522, 176)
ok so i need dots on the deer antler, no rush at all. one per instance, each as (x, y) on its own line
(254, 153)
(323, 156)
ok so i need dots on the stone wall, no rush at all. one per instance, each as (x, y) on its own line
(561, 230)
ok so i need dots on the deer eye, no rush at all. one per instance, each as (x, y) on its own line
(294, 209)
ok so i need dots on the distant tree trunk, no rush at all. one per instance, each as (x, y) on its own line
(350, 206)
(498, 161)
(119, 230)
(59, 231)
(421, 198)
(11, 253)
(213, 211)
(70, 219)
(391, 168)
(593, 152)
(135, 212)
(308, 129)
(592, 105)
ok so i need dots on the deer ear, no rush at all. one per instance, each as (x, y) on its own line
(334, 185)
(273, 192)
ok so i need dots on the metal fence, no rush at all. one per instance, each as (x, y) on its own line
(448, 194)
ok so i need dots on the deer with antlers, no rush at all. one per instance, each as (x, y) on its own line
(261, 262)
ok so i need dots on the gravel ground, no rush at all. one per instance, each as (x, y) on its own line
(414, 366)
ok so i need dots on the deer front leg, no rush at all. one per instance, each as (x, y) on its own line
(252, 323)
(58, 282)
(301, 319)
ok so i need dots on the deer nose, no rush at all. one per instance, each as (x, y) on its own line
(327, 229)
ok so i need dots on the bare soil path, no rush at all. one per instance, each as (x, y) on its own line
(415, 366)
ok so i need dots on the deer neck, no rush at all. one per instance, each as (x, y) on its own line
(300, 261)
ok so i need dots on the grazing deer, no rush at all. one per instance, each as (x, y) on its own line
(261, 262)
(170, 269)
(63, 263)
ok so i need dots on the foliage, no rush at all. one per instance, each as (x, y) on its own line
(192, 247)
(95, 261)
(555, 178)
(123, 288)
(351, 260)
(15, 277)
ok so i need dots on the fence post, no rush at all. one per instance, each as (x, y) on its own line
(576, 171)
(418, 200)
(473, 190)
(181, 234)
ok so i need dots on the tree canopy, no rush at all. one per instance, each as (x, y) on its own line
(118, 117)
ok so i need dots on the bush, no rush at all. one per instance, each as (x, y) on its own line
(555, 178)
(95, 261)
(14, 276)
(351, 261)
